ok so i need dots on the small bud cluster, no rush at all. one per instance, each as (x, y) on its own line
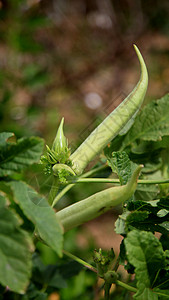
(58, 155)
(103, 260)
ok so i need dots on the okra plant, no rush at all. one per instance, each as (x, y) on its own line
(134, 140)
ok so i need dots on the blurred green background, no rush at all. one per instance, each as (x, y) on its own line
(74, 58)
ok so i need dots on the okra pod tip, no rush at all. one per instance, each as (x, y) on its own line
(113, 123)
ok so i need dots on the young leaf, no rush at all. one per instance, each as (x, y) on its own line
(151, 124)
(136, 217)
(153, 221)
(15, 252)
(165, 225)
(130, 220)
(120, 223)
(121, 165)
(15, 157)
(145, 253)
(36, 208)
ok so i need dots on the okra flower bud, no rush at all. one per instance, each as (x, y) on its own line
(60, 143)
(58, 155)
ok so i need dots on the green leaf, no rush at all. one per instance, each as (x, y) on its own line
(145, 253)
(151, 124)
(37, 209)
(146, 294)
(154, 222)
(164, 203)
(54, 276)
(162, 294)
(130, 220)
(4, 136)
(151, 146)
(2, 201)
(15, 252)
(162, 213)
(114, 145)
(146, 192)
(48, 275)
(165, 225)
(121, 165)
(153, 206)
(162, 280)
(121, 223)
(136, 217)
(57, 281)
(164, 240)
(34, 293)
(14, 157)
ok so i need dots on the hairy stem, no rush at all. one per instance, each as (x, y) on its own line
(53, 190)
(80, 261)
(109, 180)
(126, 286)
(107, 287)
(93, 269)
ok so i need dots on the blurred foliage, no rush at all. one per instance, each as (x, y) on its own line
(52, 54)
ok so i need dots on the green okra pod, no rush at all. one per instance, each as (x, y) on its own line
(113, 124)
(97, 204)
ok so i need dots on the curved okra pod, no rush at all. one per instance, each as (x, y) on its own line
(97, 204)
(113, 124)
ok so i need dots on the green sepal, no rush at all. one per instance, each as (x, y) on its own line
(103, 260)
(59, 167)
(59, 153)
(62, 171)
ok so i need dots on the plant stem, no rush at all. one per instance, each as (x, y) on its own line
(108, 180)
(162, 181)
(80, 261)
(161, 294)
(116, 264)
(53, 190)
(69, 186)
(107, 291)
(126, 286)
(91, 268)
